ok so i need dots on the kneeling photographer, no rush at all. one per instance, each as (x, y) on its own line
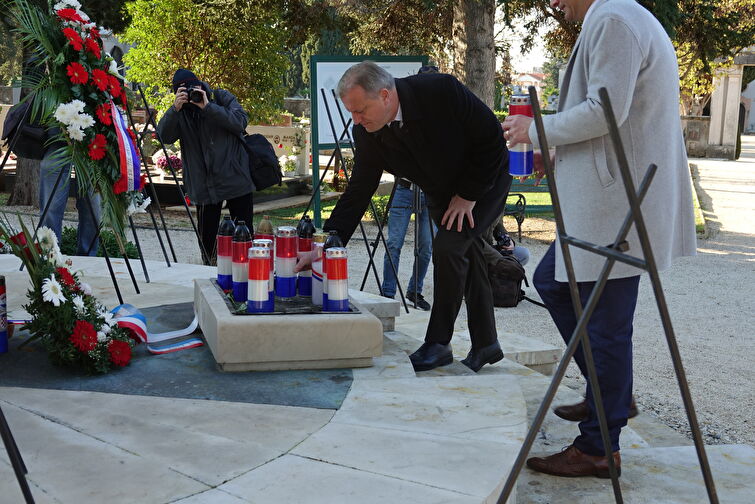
(209, 123)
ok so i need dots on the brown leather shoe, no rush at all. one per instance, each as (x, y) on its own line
(572, 463)
(578, 412)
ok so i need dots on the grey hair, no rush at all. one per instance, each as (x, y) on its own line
(369, 76)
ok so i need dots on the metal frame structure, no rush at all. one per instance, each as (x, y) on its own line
(15, 458)
(612, 253)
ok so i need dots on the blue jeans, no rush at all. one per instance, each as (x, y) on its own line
(87, 227)
(399, 217)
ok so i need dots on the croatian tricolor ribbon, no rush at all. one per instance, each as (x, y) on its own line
(128, 159)
(129, 317)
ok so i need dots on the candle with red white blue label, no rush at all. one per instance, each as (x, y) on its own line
(285, 262)
(317, 262)
(258, 296)
(305, 231)
(333, 240)
(268, 244)
(338, 279)
(242, 240)
(225, 254)
(265, 229)
(521, 155)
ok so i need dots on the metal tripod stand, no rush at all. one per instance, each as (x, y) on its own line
(15, 458)
(613, 253)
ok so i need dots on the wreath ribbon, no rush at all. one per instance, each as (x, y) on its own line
(129, 317)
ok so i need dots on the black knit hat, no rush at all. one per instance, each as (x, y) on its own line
(184, 78)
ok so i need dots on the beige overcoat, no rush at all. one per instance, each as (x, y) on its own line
(623, 48)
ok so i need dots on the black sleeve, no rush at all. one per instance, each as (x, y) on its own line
(485, 145)
(365, 179)
(227, 113)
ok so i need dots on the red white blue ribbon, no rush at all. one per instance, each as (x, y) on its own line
(129, 317)
(128, 159)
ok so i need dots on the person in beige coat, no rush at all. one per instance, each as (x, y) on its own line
(623, 48)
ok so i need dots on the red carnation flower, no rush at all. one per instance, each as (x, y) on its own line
(97, 147)
(94, 32)
(73, 38)
(93, 47)
(77, 73)
(100, 79)
(103, 114)
(120, 352)
(66, 277)
(69, 15)
(84, 336)
(115, 85)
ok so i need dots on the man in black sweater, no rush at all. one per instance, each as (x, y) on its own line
(432, 130)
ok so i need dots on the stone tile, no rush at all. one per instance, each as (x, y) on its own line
(10, 491)
(520, 349)
(470, 407)
(657, 475)
(394, 363)
(273, 342)
(73, 467)
(296, 480)
(461, 465)
(180, 433)
(213, 496)
(381, 307)
(406, 343)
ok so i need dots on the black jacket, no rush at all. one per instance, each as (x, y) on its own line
(456, 145)
(216, 166)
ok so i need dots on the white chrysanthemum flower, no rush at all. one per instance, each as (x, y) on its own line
(89, 26)
(77, 105)
(133, 208)
(304, 122)
(76, 133)
(86, 288)
(108, 319)
(82, 15)
(82, 121)
(78, 303)
(145, 204)
(47, 239)
(102, 336)
(113, 69)
(282, 160)
(65, 113)
(52, 292)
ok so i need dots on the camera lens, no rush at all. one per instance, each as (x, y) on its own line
(195, 96)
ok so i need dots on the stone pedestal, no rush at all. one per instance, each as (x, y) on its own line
(275, 342)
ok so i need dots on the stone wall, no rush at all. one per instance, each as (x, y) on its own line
(696, 130)
(297, 106)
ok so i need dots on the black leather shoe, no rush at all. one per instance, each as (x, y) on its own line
(431, 355)
(422, 303)
(486, 355)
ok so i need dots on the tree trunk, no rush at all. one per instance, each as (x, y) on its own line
(474, 47)
(26, 186)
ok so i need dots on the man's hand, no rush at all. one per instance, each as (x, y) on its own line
(458, 208)
(539, 167)
(182, 97)
(204, 101)
(304, 261)
(516, 129)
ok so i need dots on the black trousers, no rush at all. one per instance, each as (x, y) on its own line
(241, 209)
(460, 271)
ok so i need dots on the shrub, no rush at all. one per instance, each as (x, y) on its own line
(70, 235)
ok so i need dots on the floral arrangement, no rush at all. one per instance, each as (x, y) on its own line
(78, 90)
(76, 330)
(173, 159)
(288, 163)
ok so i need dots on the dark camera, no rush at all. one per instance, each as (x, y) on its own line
(195, 95)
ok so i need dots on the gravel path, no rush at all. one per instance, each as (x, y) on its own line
(710, 298)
